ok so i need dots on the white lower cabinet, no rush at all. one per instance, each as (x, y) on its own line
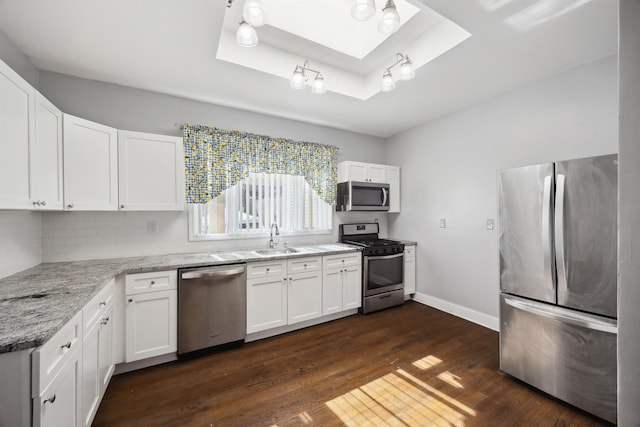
(60, 404)
(341, 282)
(304, 290)
(151, 317)
(409, 269)
(97, 351)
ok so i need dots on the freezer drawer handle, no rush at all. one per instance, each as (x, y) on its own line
(214, 272)
(564, 316)
(559, 229)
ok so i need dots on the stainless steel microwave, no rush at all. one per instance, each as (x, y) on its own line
(362, 196)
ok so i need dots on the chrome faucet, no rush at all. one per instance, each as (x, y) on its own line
(272, 243)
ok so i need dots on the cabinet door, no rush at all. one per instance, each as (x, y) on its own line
(60, 404)
(90, 375)
(266, 303)
(151, 172)
(151, 325)
(377, 173)
(352, 171)
(90, 165)
(16, 135)
(393, 176)
(46, 157)
(409, 269)
(106, 363)
(304, 296)
(351, 287)
(331, 291)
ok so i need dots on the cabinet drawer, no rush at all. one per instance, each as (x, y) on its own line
(96, 307)
(53, 355)
(300, 265)
(410, 252)
(266, 269)
(150, 282)
(341, 260)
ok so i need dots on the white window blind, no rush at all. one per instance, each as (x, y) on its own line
(251, 206)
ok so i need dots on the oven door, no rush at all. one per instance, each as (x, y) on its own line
(383, 274)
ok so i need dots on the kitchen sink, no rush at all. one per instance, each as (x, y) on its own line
(276, 251)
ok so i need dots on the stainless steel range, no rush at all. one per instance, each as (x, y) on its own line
(382, 266)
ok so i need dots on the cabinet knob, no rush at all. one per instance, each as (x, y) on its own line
(121, 206)
(70, 205)
(305, 266)
(102, 304)
(36, 203)
(153, 282)
(267, 270)
(130, 300)
(50, 400)
(43, 203)
(66, 346)
(105, 320)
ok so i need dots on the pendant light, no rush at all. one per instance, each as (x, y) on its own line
(246, 35)
(390, 19)
(363, 9)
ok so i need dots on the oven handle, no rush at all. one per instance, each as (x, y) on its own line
(385, 256)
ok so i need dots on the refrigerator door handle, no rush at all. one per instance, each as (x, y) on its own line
(546, 232)
(559, 232)
(573, 318)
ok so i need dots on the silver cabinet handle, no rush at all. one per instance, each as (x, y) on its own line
(70, 205)
(102, 304)
(36, 203)
(43, 203)
(105, 320)
(67, 346)
(50, 400)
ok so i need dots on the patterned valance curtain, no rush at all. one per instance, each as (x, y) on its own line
(217, 159)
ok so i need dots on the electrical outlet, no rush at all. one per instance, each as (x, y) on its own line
(489, 224)
(443, 223)
(152, 227)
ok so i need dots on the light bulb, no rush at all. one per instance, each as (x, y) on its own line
(253, 13)
(318, 85)
(246, 35)
(390, 19)
(406, 69)
(387, 82)
(297, 79)
(363, 9)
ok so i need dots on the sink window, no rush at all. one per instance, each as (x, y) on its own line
(250, 207)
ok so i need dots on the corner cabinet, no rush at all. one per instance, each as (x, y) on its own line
(17, 132)
(371, 172)
(409, 269)
(151, 314)
(151, 172)
(90, 165)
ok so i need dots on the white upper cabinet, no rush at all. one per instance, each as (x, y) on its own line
(46, 156)
(90, 165)
(151, 172)
(17, 111)
(364, 172)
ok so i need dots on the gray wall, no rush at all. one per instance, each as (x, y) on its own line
(139, 110)
(449, 171)
(629, 231)
(15, 59)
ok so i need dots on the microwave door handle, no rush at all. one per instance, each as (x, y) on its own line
(384, 196)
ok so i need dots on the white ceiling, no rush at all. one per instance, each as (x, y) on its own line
(170, 46)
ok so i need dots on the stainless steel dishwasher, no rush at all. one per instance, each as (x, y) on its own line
(212, 306)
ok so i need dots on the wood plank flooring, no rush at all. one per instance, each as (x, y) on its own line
(406, 366)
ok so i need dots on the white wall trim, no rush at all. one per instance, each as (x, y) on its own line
(481, 319)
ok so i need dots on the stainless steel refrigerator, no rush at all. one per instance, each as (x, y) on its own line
(558, 279)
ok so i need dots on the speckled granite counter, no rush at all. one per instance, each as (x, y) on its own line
(36, 303)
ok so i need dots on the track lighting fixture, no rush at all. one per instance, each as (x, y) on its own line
(407, 72)
(300, 77)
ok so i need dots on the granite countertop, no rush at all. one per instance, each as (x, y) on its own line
(36, 303)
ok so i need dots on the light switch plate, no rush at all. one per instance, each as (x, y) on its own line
(489, 224)
(443, 223)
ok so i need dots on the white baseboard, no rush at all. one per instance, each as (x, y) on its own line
(481, 319)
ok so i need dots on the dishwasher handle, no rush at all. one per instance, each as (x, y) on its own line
(212, 272)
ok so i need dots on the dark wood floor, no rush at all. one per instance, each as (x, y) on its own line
(407, 366)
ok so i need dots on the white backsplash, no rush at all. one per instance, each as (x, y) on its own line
(20, 241)
(72, 236)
